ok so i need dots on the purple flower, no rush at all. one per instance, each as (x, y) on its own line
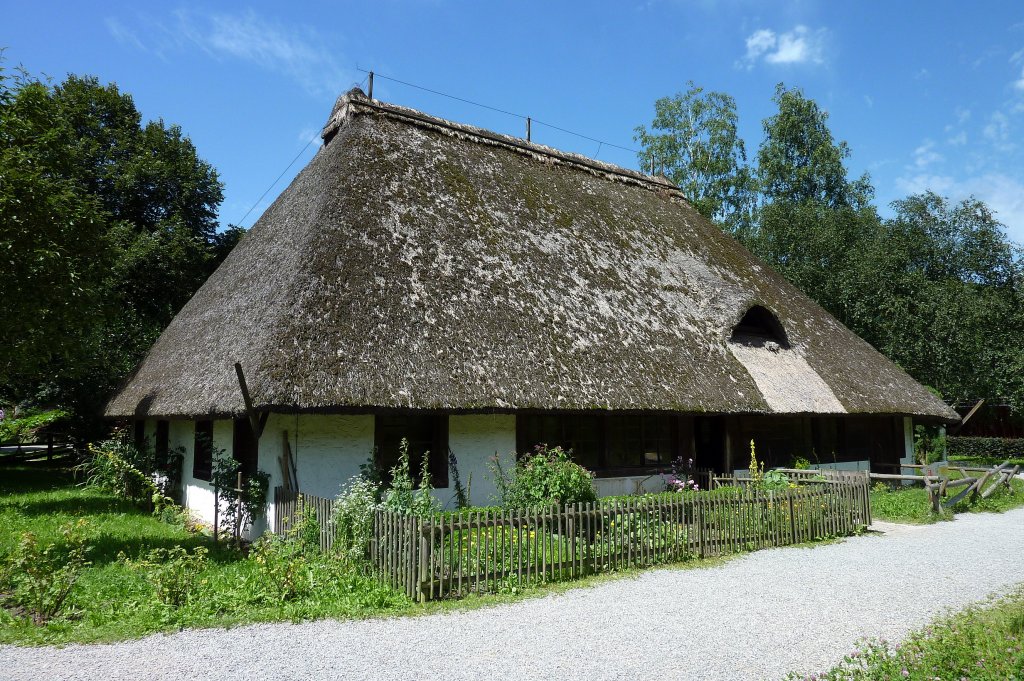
(905, 673)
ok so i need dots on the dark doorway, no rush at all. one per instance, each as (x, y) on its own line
(244, 446)
(709, 442)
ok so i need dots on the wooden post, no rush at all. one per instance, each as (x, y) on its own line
(370, 87)
(528, 132)
(238, 509)
(216, 510)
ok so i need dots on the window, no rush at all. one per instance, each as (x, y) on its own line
(607, 443)
(425, 433)
(758, 325)
(245, 446)
(202, 462)
(140, 434)
(160, 447)
(583, 434)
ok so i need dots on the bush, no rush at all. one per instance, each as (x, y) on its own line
(989, 448)
(240, 507)
(116, 465)
(173, 573)
(403, 495)
(39, 578)
(352, 517)
(289, 564)
(545, 477)
(24, 427)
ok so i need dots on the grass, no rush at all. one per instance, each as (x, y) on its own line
(111, 601)
(984, 642)
(910, 504)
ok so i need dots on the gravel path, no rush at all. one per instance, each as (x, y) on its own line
(755, 617)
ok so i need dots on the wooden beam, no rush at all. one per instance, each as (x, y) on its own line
(256, 422)
(971, 413)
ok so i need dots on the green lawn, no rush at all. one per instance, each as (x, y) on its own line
(981, 643)
(111, 601)
(910, 504)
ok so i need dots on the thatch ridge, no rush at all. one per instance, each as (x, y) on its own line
(418, 263)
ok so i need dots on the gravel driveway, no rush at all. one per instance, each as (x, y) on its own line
(756, 617)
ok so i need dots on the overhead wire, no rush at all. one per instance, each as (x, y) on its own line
(287, 168)
(600, 143)
(503, 111)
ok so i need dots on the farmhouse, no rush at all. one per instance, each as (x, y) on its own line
(478, 294)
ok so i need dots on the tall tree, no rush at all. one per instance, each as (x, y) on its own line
(122, 230)
(799, 161)
(53, 248)
(693, 139)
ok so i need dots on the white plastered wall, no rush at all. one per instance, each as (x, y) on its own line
(474, 440)
(327, 448)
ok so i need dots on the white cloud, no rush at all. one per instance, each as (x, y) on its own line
(925, 155)
(957, 140)
(298, 52)
(123, 34)
(997, 131)
(1000, 192)
(799, 46)
(869, 101)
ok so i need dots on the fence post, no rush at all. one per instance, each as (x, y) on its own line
(424, 547)
(792, 518)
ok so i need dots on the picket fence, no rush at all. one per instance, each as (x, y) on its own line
(486, 550)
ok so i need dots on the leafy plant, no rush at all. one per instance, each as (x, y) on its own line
(352, 517)
(40, 578)
(287, 562)
(544, 477)
(116, 465)
(23, 427)
(403, 495)
(172, 572)
(241, 505)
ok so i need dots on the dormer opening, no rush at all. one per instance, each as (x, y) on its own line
(759, 326)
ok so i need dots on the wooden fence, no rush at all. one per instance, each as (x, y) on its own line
(289, 504)
(485, 550)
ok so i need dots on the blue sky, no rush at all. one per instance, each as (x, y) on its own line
(929, 95)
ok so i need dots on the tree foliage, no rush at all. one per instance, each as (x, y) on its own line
(938, 287)
(694, 141)
(109, 225)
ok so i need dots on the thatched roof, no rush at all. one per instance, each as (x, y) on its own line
(417, 263)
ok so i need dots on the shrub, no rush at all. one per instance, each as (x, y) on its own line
(288, 563)
(173, 573)
(116, 465)
(403, 495)
(682, 478)
(989, 448)
(241, 506)
(24, 427)
(545, 477)
(39, 578)
(352, 517)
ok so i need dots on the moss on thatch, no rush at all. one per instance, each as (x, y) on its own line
(415, 263)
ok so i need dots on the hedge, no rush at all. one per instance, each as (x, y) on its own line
(1001, 448)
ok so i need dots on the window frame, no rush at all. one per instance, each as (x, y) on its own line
(202, 446)
(439, 474)
(524, 445)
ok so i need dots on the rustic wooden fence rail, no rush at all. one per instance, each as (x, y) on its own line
(486, 550)
(456, 553)
(289, 504)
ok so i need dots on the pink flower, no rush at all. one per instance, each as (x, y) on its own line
(905, 673)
